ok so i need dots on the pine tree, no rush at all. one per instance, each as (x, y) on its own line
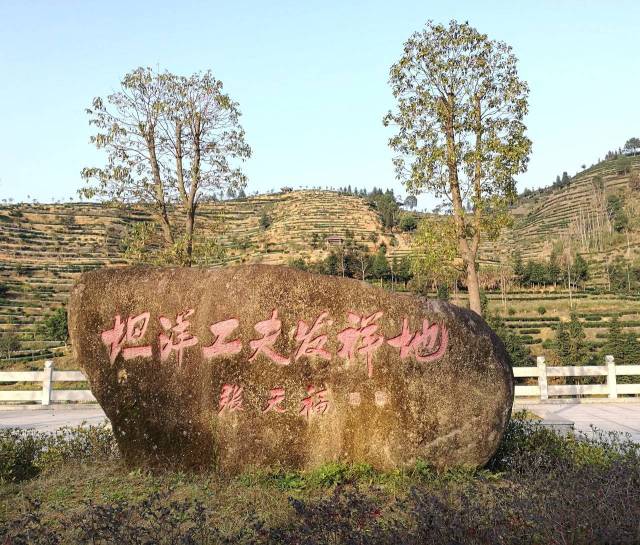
(380, 267)
(613, 344)
(630, 349)
(518, 352)
(562, 343)
(331, 264)
(553, 268)
(577, 349)
(629, 355)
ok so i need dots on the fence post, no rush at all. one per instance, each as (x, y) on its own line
(542, 378)
(46, 382)
(611, 377)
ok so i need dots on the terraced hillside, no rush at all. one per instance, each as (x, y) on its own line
(301, 221)
(563, 214)
(43, 248)
(535, 317)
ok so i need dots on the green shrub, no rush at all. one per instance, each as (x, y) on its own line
(542, 310)
(408, 222)
(19, 450)
(25, 453)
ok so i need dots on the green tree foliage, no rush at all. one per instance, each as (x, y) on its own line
(4, 290)
(9, 343)
(403, 271)
(562, 344)
(613, 344)
(355, 261)
(624, 347)
(411, 202)
(386, 205)
(141, 246)
(630, 350)
(171, 141)
(331, 264)
(624, 275)
(580, 270)
(484, 301)
(516, 349)
(298, 263)
(408, 222)
(632, 144)
(380, 266)
(518, 266)
(549, 272)
(616, 212)
(578, 353)
(435, 252)
(461, 136)
(54, 327)
(442, 292)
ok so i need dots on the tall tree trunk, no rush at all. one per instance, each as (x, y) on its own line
(190, 224)
(192, 202)
(458, 211)
(473, 287)
(158, 187)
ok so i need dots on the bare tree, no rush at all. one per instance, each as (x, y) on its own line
(170, 141)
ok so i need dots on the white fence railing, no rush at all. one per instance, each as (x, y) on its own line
(47, 394)
(542, 390)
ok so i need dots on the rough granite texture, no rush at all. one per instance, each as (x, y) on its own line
(449, 409)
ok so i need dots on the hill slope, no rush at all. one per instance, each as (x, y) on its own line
(571, 214)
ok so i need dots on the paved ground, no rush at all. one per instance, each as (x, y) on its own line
(50, 419)
(623, 417)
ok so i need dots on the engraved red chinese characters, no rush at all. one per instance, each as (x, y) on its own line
(231, 398)
(312, 343)
(270, 330)
(131, 331)
(316, 402)
(361, 338)
(275, 401)
(176, 337)
(421, 344)
(221, 330)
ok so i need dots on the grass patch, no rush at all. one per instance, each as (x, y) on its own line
(539, 488)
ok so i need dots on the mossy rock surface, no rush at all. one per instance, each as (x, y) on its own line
(283, 368)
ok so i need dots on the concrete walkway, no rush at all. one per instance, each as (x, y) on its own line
(621, 417)
(51, 419)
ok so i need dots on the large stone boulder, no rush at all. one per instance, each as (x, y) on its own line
(264, 366)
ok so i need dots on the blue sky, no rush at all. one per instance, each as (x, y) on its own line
(310, 77)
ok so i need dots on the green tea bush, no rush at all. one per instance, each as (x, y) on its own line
(19, 450)
(530, 331)
(25, 453)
